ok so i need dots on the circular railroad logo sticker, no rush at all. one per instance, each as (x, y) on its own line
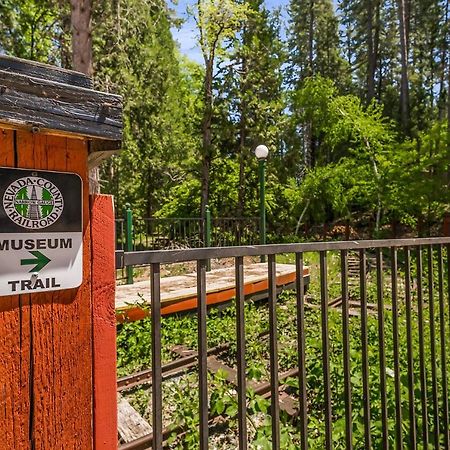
(33, 202)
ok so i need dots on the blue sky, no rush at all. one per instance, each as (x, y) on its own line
(186, 34)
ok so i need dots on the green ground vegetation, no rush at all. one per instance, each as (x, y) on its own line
(134, 354)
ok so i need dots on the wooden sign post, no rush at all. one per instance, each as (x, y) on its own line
(57, 346)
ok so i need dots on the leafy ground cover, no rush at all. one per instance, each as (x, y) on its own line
(181, 397)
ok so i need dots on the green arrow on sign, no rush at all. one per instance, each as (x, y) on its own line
(41, 261)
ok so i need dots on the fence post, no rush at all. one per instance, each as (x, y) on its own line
(208, 234)
(104, 321)
(56, 381)
(262, 203)
(129, 239)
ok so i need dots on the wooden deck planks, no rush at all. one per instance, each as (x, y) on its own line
(179, 293)
(131, 425)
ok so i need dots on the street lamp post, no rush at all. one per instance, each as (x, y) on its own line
(261, 152)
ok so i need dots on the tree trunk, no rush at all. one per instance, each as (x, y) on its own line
(444, 52)
(64, 43)
(404, 85)
(206, 135)
(309, 138)
(308, 145)
(81, 23)
(242, 132)
(82, 36)
(448, 81)
(448, 106)
(372, 60)
(373, 46)
(310, 71)
(241, 192)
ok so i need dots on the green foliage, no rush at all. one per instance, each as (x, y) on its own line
(136, 56)
(35, 29)
(222, 397)
(300, 87)
(217, 21)
(423, 165)
(314, 41)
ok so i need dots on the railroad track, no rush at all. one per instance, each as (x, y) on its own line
(187, 361)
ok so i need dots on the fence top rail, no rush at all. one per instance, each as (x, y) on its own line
(236, 218)
(121, 219)
(175, 256)
(161, 219)
(168, 218)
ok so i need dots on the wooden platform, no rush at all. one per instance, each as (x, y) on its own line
(179, 293)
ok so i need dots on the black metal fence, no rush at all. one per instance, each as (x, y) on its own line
(234, 231)
(371, 372)
(137, 234)
(186, 232)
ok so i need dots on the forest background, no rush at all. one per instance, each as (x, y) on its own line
(351, 98)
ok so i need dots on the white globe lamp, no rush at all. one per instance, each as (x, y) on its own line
(261, 152)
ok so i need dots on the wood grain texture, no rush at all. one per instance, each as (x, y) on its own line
(104, 322)
(39, 70)
(46, 339)
(14, 348)
(28, 101)
(131, 425)
(81, 21)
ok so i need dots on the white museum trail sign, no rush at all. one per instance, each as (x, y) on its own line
(41, 234)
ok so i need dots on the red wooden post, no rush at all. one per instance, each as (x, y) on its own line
(57, 349)
(104, 322)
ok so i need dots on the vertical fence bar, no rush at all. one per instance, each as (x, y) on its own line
(138, 234)
(434, 383)
(202, 353)
(409, 344)
(382, 349)
(147, 232)
(208, 234)
(422, 362)
(129, 239)
(445, 412)
(447, 247)
(240, 336)
(262, 203)
(200, 226)
(119, 234)
(325, 349)
(156, 356)
(273, 337)
(365, 347)
(396, 350)
(153, 230)
(346, 351)
(300, 288)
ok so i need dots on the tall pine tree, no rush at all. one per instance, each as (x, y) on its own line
(251, 93)
(314, 51)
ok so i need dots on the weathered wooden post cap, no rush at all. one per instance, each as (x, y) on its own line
(39, 97)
